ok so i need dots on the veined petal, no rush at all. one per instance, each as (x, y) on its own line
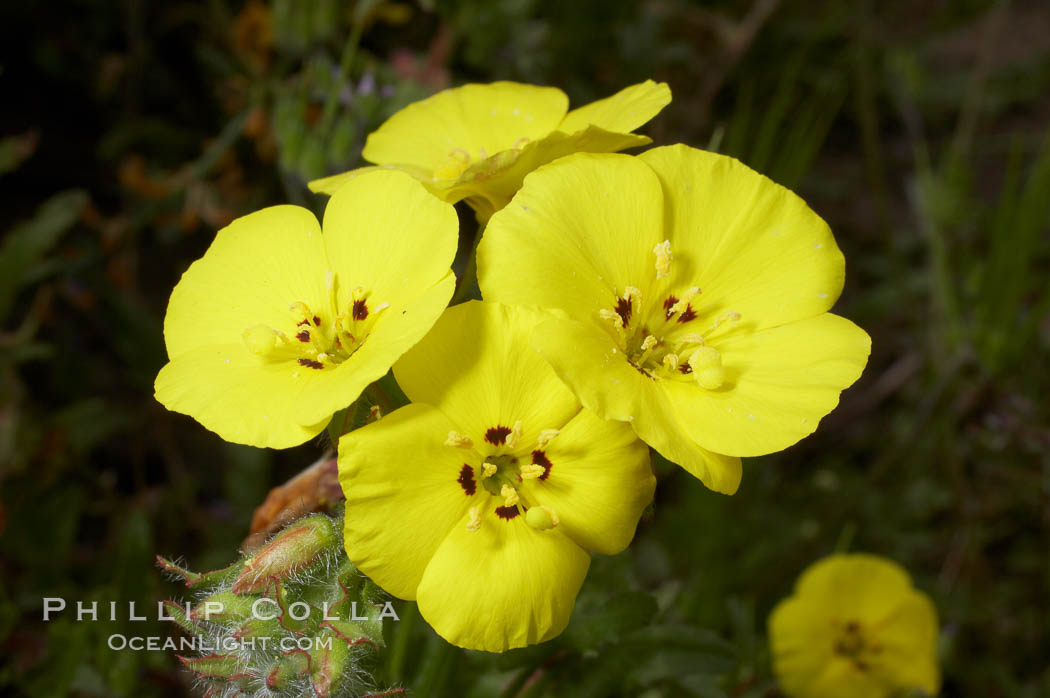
(384, 232)
(780, 383)
(495, 180)
(395, 332)
(402, 494)
(474, 118)
(909, 639)
(476, 366)
(622, 112)
(239, 396)
(332, 183)
(599, 374)
(751, 245)
(503, 586)
(599, 483)
(578, 233)
(801, 640)
(865, 584)
(253, 270)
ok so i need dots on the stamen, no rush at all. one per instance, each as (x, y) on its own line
(475, 520)
(663, 259)
(510, 495)
(670, 361)
(649, 342)
(488, 469)
(515, 435)
(731, 315)
(541, 518)
(532, 471)
(682, 303)
(458, 440)
(546, 436)
(692, 338)
(375, 413)
(612, 316)
(632, 294)
(302, 313)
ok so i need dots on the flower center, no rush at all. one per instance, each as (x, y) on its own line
(669, 340)
(505, 474)
(851, 643)
(454, 164)
(321, 339)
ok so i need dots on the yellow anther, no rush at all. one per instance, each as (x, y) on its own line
(488, 469)
(685, 300)
(515, 435)
(663, 259)
(671, 361)
(731, 315)
(260, 340)
(649, 342)
(532, 471)
(510, 495)
(631, 293)
(458, 440)
(612, 316)
(711, 377)
(546, 436)
(475, 519)
(375, 413)
(455, 163)
(380, 308)
(692, 338)
(329, 279)
(541, 518)
(519, 144)
(301, 311)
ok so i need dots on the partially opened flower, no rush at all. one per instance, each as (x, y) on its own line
(482, 499)
(855, 627)
(280, 325)
(477, 142)
(696, 292)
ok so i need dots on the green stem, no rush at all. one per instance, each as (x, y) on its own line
(438, 661)
(465, 289)
(398, 652)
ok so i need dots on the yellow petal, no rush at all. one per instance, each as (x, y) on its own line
(623, 112)
(489, 184)
(599, 483)
(750, 244)
(599, 374)
(384, 232)
(909, 639)
(779, 383)
(477, 367)
(472, 118)
(578, 233)
(402, 494)
(329, 185)
(239, 396)
(253, 270)
(801, 642)
(864, 584)
(503, 586)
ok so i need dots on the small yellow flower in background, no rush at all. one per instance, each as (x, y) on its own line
(482, 499)
(477, 142)
(855, 628)
(280, 325)
(696, 292)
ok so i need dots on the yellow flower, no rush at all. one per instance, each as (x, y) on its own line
(855, 627)
(696, 292)
(481, 499)
(477, 142)
(279, 325)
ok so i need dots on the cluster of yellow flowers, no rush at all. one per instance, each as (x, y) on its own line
(676, 300)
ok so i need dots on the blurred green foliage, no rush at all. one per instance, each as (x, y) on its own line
(132, 131)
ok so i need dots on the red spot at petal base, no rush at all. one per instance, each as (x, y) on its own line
(310, 363)
(668, 304)
(507, 513)
(623, 309)
(497, 436)
(466, 480)
(303, 336)
(687, 315)
(360, 310)
(540, 458)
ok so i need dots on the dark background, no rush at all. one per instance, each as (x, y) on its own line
(131, 131)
